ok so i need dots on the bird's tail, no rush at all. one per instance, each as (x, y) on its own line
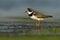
(50, 16)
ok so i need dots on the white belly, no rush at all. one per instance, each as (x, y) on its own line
(34, 17)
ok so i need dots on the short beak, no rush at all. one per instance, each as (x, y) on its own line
(25, 11)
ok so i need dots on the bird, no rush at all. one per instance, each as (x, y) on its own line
(37, 16)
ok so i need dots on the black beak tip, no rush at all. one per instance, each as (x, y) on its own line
(25, 11)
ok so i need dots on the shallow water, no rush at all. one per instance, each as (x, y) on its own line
(11, 27)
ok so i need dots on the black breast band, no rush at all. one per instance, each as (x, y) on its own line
(31, 14)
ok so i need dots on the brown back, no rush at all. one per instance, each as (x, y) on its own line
(39, 14)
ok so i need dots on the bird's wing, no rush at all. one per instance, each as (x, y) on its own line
(39, 14)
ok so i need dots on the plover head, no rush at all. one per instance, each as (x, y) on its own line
(29, 11)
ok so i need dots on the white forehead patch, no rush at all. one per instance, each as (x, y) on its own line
(29, 12)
